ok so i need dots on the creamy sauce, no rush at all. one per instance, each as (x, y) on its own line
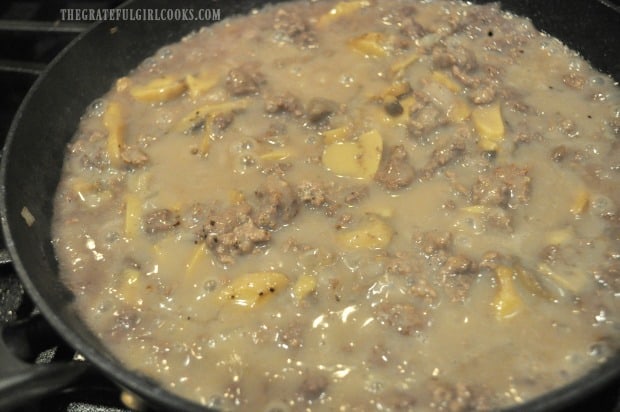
(351, 206)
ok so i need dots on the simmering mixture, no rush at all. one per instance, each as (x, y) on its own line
(351, 206)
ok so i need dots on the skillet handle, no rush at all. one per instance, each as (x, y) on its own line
(22, 381)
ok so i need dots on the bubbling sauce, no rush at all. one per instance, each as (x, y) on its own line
(353, 206)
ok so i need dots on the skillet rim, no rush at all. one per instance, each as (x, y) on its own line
(133, 381)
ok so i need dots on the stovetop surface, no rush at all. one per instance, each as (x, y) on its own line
(25, 50)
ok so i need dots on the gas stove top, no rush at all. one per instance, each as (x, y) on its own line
(31, 34)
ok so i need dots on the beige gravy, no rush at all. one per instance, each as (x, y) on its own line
(352, 206)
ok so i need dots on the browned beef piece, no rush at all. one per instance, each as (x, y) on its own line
(411, 28)
(160, 220)
(244, 236)
(421, 289)
(319, 109)
(445, 57)
(283, 103)
(449, 271)
(222, 120)
(329, 197)
(425, 119)
(313, 385)
(231, 231)
(401, 264)
(403, 18)
(402, 317)
(244, 80)
(277, 203)
(513, 100)
(491, 259)
(336, 196)
(574, 81)
(483, 94)
(221, 220)
(523, 137)
(443, 156)
(491, 71)
(395, 171)
(504, 186)
(295, 29)
(457, 398)
(434, 241)
(354, 195)
(457, 264)
(276, 134)
(456, 286)
(312, 193)
(453, 274)
(465, 78)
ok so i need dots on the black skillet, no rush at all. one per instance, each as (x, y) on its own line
(49, 115)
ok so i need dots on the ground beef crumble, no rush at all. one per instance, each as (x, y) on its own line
(504, 186)
(395, 171)
(231, 231)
